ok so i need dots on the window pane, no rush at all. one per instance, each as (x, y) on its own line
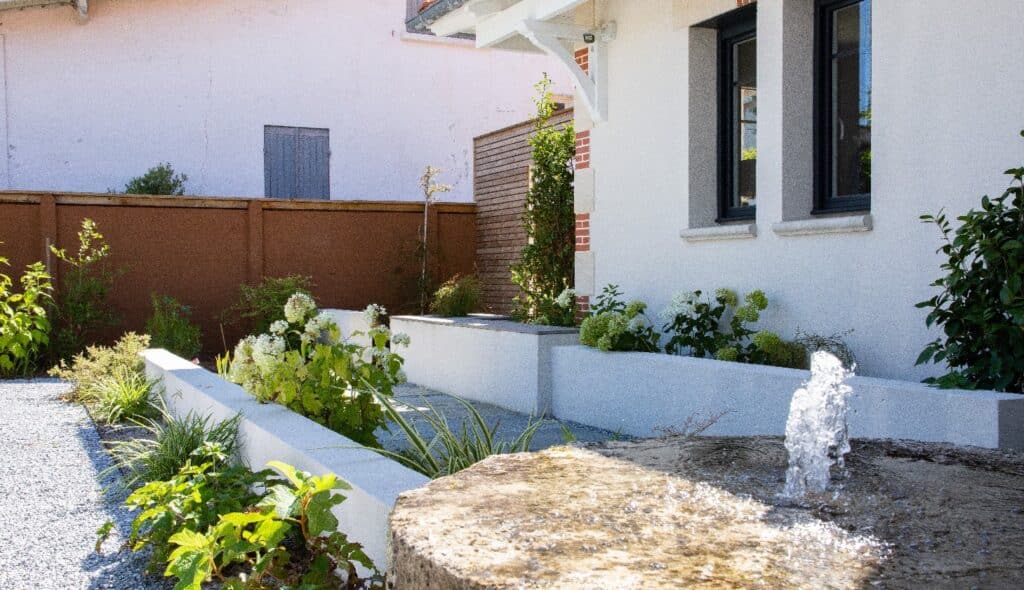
(851, 100)
(745, 100)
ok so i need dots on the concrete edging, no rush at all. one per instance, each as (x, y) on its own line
(273, 432)
(484, 359)
(636, 393)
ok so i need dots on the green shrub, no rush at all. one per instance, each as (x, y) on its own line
(87, 369)
(451, 450)
(457, 297)
(614, 325)
(980, 306)
(546, 265)
(208, 526)
(24, 324)
(169, 443)
(125, 394)
(158, 180)
(303, 364)
(81, 306)
(262, 304)
(170, 327)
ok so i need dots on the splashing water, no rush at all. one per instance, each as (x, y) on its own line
(816, 433)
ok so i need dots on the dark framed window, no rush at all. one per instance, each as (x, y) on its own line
(843, 106)
(737, 114)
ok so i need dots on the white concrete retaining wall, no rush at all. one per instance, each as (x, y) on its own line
(349, 322)
(636, 393)
(273, 432)
(483, 359)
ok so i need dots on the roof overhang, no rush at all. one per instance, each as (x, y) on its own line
(82, 6)
(536, 25)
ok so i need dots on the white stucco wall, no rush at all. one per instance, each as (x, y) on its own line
(193, 82)
(947, 109)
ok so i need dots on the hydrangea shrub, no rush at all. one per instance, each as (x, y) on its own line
(304, 364)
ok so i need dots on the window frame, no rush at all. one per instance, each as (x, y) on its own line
(733, 28)
(824, 202)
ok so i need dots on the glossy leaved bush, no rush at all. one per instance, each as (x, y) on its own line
(24, 322)
(980, 304)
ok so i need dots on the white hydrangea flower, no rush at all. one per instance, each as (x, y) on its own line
(565, 298)
(267, 351)
(279, 327)
(400, 339)
(298, 307)
(317, 325)
(373, 312)
(682, 305)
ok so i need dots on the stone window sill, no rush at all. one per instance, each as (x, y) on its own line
(825, 225)
(714, 233)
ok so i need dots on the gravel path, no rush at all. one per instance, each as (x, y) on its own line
(51, 497)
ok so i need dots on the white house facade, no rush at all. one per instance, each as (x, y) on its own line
(783, 145)
(285, 98)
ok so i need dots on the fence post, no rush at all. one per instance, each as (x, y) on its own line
(48, 231)
(254, 272)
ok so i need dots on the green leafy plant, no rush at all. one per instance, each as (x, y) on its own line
(980, 304)
(216, 521)
(208, 485)
(546, 266)
(262, 304)
(171, 442)
(125, 394)
(158, 180)
(256, 542)
(457, 297)
(90, 367)
(82, 305)
(617, 326)
(24, 323)
(450, 450)
(170, 327)
(303, 364)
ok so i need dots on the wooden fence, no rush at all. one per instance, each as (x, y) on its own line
(200, 250)
(501, 180)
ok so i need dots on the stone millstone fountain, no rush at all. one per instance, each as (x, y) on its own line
(714, 512)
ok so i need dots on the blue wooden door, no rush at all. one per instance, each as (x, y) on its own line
(296, 162)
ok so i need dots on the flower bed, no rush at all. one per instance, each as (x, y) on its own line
(273, 432)
(483, 358)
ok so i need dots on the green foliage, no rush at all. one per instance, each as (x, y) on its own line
(171, 441)
(980, 306)
(125, 394)
(158, 180)
(546, 266)
(208, 525)
(303, 364)
(615, 325)
(262, 304)
(90, 367)
(86, 280)
(451, 450)
(457, 297)
(24, 324)
(720, 329)
(170, 327)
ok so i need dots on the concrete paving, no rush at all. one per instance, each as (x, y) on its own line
(510, 423)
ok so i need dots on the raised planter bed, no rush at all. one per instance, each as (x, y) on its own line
(483, 358)
(271, 431)
(638, 393)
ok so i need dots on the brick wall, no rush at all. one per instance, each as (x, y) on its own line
(501, 163)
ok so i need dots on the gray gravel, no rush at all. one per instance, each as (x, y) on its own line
(52, 500)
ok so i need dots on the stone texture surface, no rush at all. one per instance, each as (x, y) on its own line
(570, 518)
